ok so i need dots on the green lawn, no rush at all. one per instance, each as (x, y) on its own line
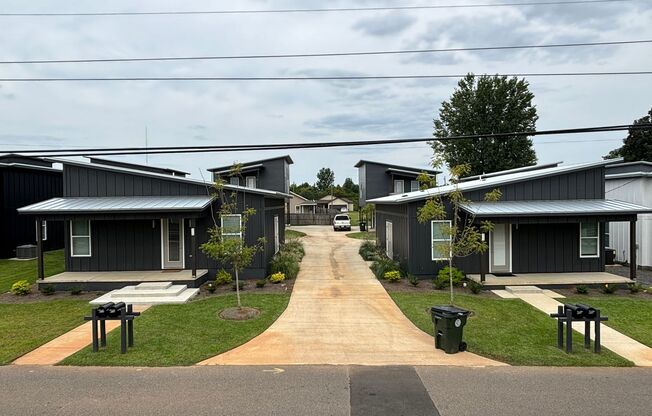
(631, 316)
(508, 330)
(363, 235)
(13, 270)
(169, 335)
(289, 234)
(355, 217)
(26, 326)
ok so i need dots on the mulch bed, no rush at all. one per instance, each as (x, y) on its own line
(249, 287)
(239, 314)
(37, 296)
(642, 276)
(427, 286)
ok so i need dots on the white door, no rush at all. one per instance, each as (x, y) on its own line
(500, 249)
(172, 242)
(277, 237)
(389, 240)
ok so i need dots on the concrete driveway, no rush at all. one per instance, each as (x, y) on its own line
(340, 314)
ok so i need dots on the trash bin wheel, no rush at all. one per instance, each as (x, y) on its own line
(462, 346)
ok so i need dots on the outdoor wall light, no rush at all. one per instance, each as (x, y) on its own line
(192, 231)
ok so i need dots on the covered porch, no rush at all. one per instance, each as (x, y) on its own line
(550, 280)
(103, 281)
(550, 242)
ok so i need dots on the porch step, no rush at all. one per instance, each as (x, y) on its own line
(154, 293)
(523, 290)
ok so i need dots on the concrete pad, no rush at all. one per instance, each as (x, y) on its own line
(505, 294)
(149, 295)
(67, 344)
(340, 314)
(626, 347)
(553, 294)
(523, 289)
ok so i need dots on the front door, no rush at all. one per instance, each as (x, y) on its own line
(500, 249)
(172, 242)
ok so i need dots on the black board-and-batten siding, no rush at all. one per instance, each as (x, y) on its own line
(539, 244)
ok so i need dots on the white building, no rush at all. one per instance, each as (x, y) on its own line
(631, 182)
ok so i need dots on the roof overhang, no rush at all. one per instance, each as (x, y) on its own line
(119, 205)
(243, 169)
(554, 208)
(407, 172)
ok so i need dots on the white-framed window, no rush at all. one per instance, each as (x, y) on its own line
(80, 238)
(231, 226)
(44, 230)
(389, 239)
(440, 239)
(399, 186)
(414, 186)
(251, 182)
(277, 235)
(589, 240)
(234, 180)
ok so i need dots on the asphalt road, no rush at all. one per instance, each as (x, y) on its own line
(324, 390)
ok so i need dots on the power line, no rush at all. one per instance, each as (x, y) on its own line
(319, 10)
(321, 55)
(308, 145)
(323, 78)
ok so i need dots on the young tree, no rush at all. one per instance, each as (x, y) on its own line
(325, 179)
(227, 238)
(465, 236)
(487, 105)
(638, 143)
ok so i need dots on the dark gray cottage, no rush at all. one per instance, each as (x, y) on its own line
(138, 218)
(378, 179)
(25, 180)
(550, 219)
(272, 174)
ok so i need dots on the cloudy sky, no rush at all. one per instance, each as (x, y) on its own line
(65, 115)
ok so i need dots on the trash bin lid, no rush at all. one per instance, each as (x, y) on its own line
(448, 310)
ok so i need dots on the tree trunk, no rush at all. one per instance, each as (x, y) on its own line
(450, 277)
(237, 286)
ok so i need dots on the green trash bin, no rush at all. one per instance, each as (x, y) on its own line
(449, 324)
(363, 226)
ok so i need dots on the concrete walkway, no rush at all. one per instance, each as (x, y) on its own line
(340, 314)
(67, 344)
(629, 348)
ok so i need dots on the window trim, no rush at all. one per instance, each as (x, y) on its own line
(439, 240)
(412, 187)
(387, 245)
(277, 234)
(402, 182)
(597, 238)
(234, 178)
(222, 224)
(247, 182)
(72, 237)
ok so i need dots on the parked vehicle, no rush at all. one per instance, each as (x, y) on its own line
(342, 222)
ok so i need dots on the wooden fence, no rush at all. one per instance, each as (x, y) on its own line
(311, 219)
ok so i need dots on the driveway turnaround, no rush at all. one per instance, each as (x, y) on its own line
(340, 314)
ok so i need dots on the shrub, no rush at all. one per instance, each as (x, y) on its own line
(393, 276)
(383, 265)
(369, 251)
(47, 290)
(261, 283)
(609, 290)
(582, 289)
(76, 291)
(211, 288)
(474, 287)
(277, 277)
(413, 280)
(21, 288)
(635, 288)
(285, 263)
(222, 277)
(241, 285)
(443, 279)
(295, 249)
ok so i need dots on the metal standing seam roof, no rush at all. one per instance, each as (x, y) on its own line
(487, 182)
(553, 208)
(118, 204)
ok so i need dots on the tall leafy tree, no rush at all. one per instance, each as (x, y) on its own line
(487, 104)
(325, 179)
(638, 143)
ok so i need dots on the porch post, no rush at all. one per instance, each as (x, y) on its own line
(483, 270)
(193, 247)
(39, 248)
(632, 249)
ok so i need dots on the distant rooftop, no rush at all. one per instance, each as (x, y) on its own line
(515, 170)
(410, 169)
(250, 164)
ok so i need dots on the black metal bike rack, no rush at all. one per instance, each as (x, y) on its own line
(113, 312)
(567, 314)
